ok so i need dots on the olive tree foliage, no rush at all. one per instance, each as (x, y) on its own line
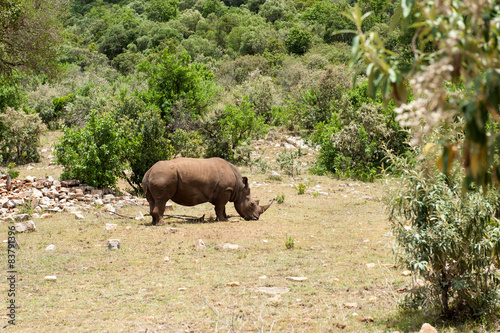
(453, 41)
(30, 32)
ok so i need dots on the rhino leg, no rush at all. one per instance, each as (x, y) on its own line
(220, 211)
(157, 212)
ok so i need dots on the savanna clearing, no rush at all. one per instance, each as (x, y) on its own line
(161, 280)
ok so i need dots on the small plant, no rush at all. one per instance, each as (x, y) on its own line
(13, 173)
(280, 198)
(287, 162)
(315, 194)
(290, 242)
(28, 207)
(301, 188)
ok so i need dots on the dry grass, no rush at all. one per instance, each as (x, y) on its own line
(135, 289)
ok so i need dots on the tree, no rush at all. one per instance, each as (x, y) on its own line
(30, 32)
(95, 153)
(298, 41)
(452, 42)
(175, 82)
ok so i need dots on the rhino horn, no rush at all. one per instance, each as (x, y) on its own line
(264, 208)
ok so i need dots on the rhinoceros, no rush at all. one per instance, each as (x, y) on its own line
(192, 181)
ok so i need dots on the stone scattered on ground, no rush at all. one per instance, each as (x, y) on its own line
(351, 305)
(50, 196)
(51, 278)
(113, 244)
(200, 245)
(229, 246)
(297, 278)
(233, 284)
(27, 226)
(51, 247)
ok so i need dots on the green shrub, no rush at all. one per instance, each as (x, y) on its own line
(19, 137)
(187, 143)
(299, 41)
(146, 128)
(355, 140)
(280, 198)
(301, 188)
(162, 11)
(13, 173)
(93, 154)
(287, 162)
(231, 128)
(449, 238)
(173, 81)
(290, 242)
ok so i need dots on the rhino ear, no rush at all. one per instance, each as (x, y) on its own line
(245, 181)
(257, 201)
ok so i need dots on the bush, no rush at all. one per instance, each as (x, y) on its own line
(19, 137)
(298, 41)
(187, 144)
(144, 125)
(354, 142)
(173, 81)
(231, 129)
(449, 238)
(93, 154)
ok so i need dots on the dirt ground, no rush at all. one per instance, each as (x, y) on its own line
(317, 262)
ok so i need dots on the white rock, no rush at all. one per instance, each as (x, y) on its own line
(113, 244)
(79, 216)
(139, 216)
(370, 265)
(51, 247)
(296, 278)
(99, 202)
(51, 278)
(272, 290)
(110, 227)
(351, 305)
(200, 245)
(109, 208)
(25, 226)
(229, 246)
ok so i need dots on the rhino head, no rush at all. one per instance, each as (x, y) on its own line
(248, 208)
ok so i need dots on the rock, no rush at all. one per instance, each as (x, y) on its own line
(139, 216)
(274, 173)
(366, 320)
(51, 278)
(262, 277)
(79, 216)
(27, 226)
(113, 244)
(170, 229)
(166, 259)
(182, 289)
(351, 305)
(46, 216)
(37, 193)
(370, 265)
(51, 247)
(99, 202)
(109, 208)
(110, 227)
(229, 246)
(233, 284)
(427, 328)
(296, 278)
(406, 273)
(200, 245)
(21, 217)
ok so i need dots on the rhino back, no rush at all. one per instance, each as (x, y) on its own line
(191, 181)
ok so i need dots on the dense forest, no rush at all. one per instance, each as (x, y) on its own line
(140, 81)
